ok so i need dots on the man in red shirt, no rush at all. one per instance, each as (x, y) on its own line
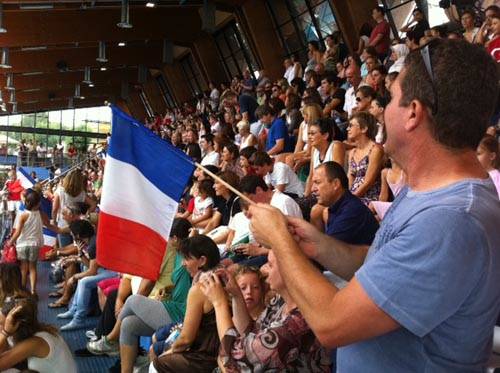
(14, 188)
(380, 38)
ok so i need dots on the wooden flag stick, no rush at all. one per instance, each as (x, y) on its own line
(218, 179)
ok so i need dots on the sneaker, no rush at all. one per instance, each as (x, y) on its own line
(72, 325)
(66, 315)
(104, 347)
(90, 334)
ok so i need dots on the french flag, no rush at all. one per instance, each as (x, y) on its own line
(144, 179)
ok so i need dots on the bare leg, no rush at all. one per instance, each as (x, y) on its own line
(127, 357)
(101, 297)
(24, 272)
(114, 334)
(33, 276)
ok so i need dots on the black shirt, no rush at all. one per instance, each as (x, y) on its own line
(248, 104)
(227, 208)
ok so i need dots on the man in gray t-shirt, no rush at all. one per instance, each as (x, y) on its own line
(425, 296)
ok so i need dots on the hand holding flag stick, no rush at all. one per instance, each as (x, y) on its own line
(227, 185)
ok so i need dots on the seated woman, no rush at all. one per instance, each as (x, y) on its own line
(279, 340)
(230, 154)
(39, 344)
(365, 160)
(302, 153)
(196, 348)
(226, 206)
(139, 315)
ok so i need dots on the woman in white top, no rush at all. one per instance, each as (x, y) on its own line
(324, 148)
(302, 153)
(467, 19)
(41, 345)
(247, 138)
(71, 192)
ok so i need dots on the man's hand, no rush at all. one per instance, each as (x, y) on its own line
(251, 250)
(306, 235)
(267, 223)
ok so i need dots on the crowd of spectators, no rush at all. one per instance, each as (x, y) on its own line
(312, 145)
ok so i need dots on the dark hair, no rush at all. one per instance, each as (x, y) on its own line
(10, 281)
(266, 110)
(371, 51)
(276, 104)
(208, 138)
(332, 79)
(31, 198)
(230, 177)
(314, 95)
(494, 8)
(367, 91)
(293, 101)
(213, 169)
(491, 145)
(366, 120)
(198, 246)
(180, 228)
(440, 30)
(459, 68)
(392, 76)
(469, 12)
(81, 229)
(233, 149)
(381, 101)
(207, 187)
(381, 69)
(261, 159)
(314, 43)
(247, 152)
(379, 9)
(194, 151)
(325, 126)
(299, 82)
(365, 29)
(250, 183)
(27, 317)
(333, 171)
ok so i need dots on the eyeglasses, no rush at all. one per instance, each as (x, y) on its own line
(426, 57)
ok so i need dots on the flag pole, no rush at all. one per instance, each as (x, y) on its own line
(228, 186)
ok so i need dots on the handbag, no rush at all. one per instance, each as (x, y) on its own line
(9, 253)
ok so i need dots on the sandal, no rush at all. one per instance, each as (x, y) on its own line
(58, 304)
(55, 294)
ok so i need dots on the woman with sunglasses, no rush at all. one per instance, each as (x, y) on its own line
(365, 160)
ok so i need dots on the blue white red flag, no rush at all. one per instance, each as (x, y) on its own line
(144, 179)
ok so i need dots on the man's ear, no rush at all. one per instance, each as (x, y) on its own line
(415, 115)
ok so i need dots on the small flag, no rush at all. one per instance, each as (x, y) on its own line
(144, 179)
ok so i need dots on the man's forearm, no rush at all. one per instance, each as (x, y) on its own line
(339, 257)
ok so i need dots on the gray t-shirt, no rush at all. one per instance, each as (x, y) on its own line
(434, 267)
